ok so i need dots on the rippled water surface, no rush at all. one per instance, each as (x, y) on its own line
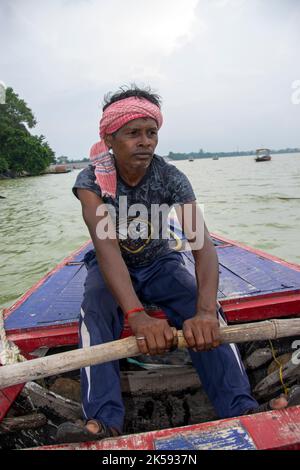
(256, 203)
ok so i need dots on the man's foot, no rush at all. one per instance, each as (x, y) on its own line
(283, 401)
(92, 430)
(95, 427)
(278, 403)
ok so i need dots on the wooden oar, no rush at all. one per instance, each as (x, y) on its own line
(71, 360)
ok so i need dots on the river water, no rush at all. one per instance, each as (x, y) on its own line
(255, 203)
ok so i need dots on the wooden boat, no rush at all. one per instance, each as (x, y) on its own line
(253, 286)
(58, 169)
(263, 155)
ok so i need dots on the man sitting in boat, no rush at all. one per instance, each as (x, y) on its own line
(125, 272)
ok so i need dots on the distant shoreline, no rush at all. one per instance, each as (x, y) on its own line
(185, 156)
(80, 164)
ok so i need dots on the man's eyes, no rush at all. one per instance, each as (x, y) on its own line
(136, 132)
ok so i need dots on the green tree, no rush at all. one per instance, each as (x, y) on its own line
(3, 164)
(20, 150)
(17, 111)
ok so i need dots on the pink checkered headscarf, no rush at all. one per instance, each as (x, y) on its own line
(114, 117)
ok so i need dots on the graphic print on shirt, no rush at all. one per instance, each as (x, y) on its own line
(134, 234)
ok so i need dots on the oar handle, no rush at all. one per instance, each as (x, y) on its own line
(115, 350)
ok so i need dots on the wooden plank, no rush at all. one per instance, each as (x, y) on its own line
(74, 256)
(50, 336)
(263, 274)
(44, 398)
(262, 307)
(275, 429)
(232, 285)
(272, 382)
(37, 308)
(258, 252)
(18, 423)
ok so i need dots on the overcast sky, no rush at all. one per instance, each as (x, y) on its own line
(224, 68)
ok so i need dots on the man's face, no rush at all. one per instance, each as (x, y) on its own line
(134, 144)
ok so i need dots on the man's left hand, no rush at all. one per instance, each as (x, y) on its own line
(202, 332)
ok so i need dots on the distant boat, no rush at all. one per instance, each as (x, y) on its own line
(263, 155)
(57, 169)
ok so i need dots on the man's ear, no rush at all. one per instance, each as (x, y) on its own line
(108, 141)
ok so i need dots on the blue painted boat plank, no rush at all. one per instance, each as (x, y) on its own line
(59, 311)
(288, 277)
(226, 437)
(66, 307)
(230, 284)
(65, 286)
(190, 264)
(177, 442)
(79, 257)
(263, 274)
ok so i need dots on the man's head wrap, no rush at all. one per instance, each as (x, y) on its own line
(115, 116)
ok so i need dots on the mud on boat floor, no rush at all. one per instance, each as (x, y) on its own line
(144, 412)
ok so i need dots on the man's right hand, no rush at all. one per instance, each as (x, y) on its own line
(154, 336)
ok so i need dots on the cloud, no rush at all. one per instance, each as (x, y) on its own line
(223, 67)
(99, 40)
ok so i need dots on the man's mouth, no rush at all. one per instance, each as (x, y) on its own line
(142, 154)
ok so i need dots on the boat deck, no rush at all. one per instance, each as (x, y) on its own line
(245, 276)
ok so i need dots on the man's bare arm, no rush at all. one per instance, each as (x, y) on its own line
(201, 331)
(207, 273)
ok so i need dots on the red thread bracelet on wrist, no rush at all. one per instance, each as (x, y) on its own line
(134, 310)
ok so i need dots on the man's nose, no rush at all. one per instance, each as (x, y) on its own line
(145, 140)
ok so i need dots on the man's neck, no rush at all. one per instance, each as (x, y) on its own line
(131, 176)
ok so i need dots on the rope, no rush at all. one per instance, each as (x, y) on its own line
(280, 366)
(10, 352)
